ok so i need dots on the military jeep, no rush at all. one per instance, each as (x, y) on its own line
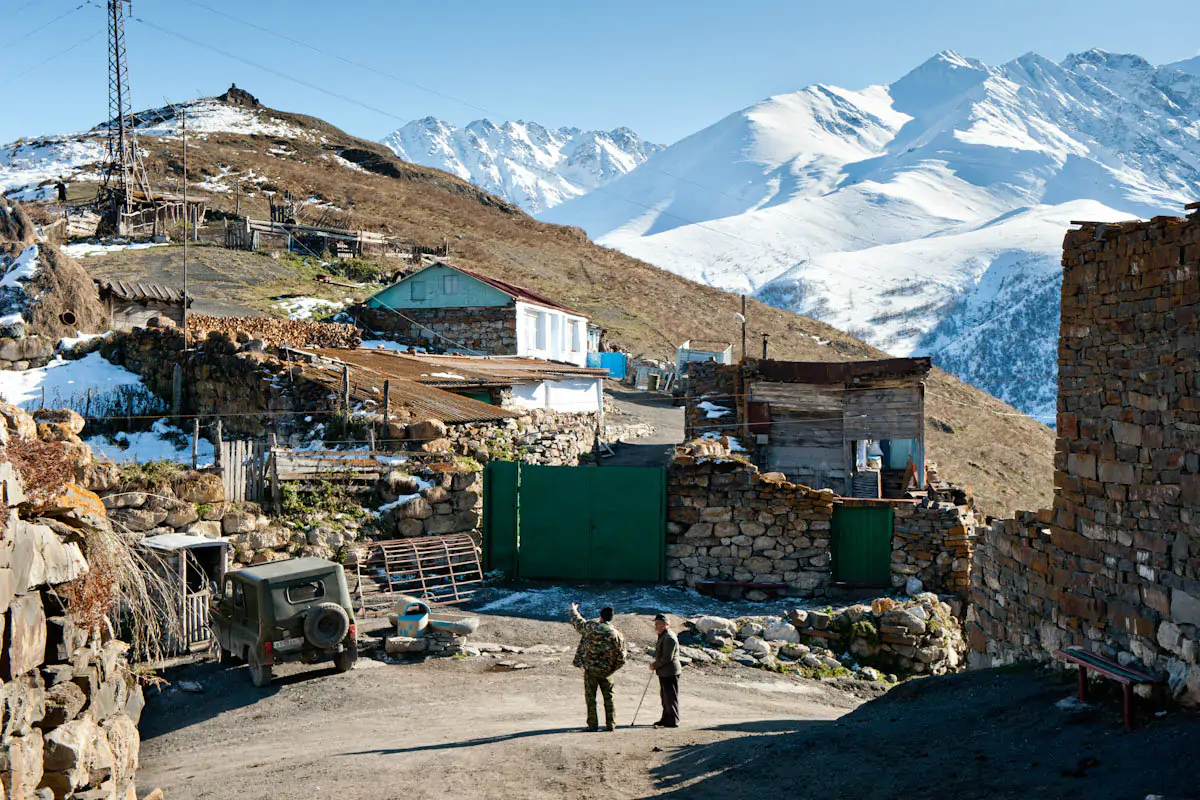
(293, 610)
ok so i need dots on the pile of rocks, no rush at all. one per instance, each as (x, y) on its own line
(934, 542)
(432, 643)
(274, 332)
(537, 437)
(431, 503)
(69, 705)
(915, 636)
(25, 352)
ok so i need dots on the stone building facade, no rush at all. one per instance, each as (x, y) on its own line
(727, 522)
(491, 330)
(1115, 564)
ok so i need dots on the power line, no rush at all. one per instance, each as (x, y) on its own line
(44, 25)
(59, 54)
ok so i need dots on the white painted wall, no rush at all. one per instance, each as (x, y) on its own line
(574, 396)
(551, 334)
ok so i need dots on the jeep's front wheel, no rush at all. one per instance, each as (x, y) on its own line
(260, 673)
(344, 661)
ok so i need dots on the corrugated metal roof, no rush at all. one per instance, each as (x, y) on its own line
(423, 402)
(844, 372)
(440, 370)
(140, 292)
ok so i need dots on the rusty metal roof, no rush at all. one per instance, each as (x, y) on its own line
(140, 292)
(422, 402)
(449, 371)
(844, 372)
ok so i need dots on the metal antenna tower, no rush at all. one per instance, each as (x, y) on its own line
(124, 173)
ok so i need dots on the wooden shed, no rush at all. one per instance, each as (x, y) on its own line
(191, 566)
(855, 427)
(132, 305)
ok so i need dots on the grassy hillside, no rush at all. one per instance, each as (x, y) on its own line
(974, 438)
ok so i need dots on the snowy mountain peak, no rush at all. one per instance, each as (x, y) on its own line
(524, 162)
(925, 216)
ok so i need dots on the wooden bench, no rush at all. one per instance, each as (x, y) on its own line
(1126, 676)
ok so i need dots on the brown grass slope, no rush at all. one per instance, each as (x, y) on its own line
(974, 438)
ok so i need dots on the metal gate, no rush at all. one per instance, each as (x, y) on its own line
(862, 545)
(575, 523)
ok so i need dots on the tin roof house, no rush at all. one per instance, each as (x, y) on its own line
(461, 310)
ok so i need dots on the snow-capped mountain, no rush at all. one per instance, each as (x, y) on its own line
(531, 166)
(925, 216)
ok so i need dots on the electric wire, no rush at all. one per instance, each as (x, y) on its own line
(59, 54)
(44, 25)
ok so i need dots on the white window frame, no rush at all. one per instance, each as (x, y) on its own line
(541, 340)
(574, 342)
(451, 284)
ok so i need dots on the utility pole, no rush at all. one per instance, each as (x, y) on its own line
(764, 337)
(123, 168)
(743, 327)
(186, 216)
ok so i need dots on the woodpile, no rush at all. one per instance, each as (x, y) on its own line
(275, 332)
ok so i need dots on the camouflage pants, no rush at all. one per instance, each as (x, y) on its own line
(591, 682)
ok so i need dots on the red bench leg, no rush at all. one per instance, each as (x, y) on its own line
(1128, 706)
(1082, 683)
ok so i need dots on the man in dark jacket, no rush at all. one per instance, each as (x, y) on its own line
(666, 665)
(601, 652)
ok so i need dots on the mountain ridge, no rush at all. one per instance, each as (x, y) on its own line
(532, 166)
(915, 214)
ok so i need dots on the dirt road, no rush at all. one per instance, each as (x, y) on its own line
(656, 409)
(452, 727)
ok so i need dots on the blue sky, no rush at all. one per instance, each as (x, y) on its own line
(662, 67)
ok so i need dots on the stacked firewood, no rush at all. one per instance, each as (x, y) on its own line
(274, 332)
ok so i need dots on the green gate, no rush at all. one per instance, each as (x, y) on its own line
(862, 545)
(575, 523)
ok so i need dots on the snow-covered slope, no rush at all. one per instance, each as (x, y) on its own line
(29, 166)
(534, 167)
(925, 216)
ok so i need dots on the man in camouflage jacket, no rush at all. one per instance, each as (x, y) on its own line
(601, 653)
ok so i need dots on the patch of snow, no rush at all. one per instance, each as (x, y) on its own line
(71, 342)
(27, 164)
(405, 499)
(308, 307)
(550, 602)
(208, 116)
(449, 375)
(65, 382)
(85, 249)
(714, 411)
(735, 444)
(23, 267)
(8, 320)
(163, 442)
(384, 344)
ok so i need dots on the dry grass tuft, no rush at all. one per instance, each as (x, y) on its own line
(45, 467)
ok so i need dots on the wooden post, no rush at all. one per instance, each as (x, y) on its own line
(177, 389)
(195, 442)
(743, 327)
(219, 437)
(371, 439)
(276, 497)
(185, 230)
(237, 198)
(43, 397)
(387, 407)
(346, 389)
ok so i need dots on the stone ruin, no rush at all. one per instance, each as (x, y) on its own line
(1115, 563)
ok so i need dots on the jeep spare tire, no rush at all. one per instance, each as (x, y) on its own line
(326, 624)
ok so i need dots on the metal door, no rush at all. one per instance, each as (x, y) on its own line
(862, 545)
(575, 523)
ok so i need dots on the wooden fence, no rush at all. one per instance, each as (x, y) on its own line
(243, 466)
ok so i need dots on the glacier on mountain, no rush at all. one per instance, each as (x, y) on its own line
(925, 216)
(529, 165)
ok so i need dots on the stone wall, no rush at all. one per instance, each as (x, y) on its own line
(1115, 564)
(25, 352)
(539, 437)
(716, 384)
(69, 705)
(728, 522)
(489, 330)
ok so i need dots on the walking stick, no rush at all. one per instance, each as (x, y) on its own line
(639, 708)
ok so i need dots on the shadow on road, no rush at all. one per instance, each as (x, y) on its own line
(994, 734)
(224, 688)
(508, 737)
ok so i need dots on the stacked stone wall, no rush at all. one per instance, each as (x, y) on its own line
(710, 382)
(1115, 564)
(489, 330)
(69, 704)
(727, 522)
